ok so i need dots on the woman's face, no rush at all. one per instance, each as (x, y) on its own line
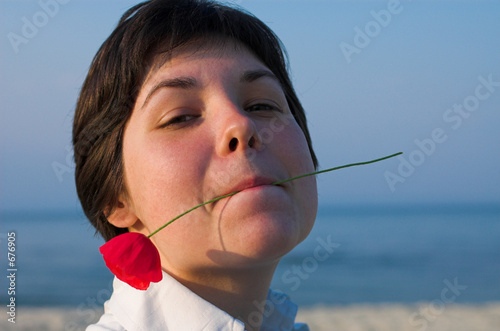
(206, 123)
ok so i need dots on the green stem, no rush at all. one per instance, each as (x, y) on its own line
(275, 183)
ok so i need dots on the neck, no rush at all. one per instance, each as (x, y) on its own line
(241, 293)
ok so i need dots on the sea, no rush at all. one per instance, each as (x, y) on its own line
(354, 255)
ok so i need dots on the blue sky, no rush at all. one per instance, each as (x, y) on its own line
(372, 84)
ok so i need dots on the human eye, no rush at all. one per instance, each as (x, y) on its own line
(178, 121)
(263, 107)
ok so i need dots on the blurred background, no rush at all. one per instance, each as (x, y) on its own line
(375, 78)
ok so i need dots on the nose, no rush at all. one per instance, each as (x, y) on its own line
(238, 133)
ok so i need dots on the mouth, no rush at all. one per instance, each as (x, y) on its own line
(252, 183)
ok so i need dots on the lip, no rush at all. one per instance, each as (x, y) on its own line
(247, 184)
(251, 183)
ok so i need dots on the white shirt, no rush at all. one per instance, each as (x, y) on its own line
(169, 305)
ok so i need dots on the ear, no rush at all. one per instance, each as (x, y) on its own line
(123, 216)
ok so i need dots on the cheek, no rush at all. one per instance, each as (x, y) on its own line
(298, 157)
(161, 176)
(293, 150)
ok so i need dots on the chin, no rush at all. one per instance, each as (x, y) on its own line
(260, 229)
(263, 238)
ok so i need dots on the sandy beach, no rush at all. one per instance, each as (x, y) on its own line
(423, 316)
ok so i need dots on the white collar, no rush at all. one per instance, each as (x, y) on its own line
(168, 305)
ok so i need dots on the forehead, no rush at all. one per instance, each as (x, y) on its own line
(212, 49)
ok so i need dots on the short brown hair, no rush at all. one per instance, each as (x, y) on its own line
(117, 73)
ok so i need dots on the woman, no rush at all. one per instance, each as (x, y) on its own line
(184, 102)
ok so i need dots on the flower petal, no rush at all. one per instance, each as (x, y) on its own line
(133, 259)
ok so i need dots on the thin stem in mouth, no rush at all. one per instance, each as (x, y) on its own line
(275, 183)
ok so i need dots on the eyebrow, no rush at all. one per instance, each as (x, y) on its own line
(252, 75)
(187, 82)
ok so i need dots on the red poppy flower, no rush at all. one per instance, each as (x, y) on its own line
(133, 258)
